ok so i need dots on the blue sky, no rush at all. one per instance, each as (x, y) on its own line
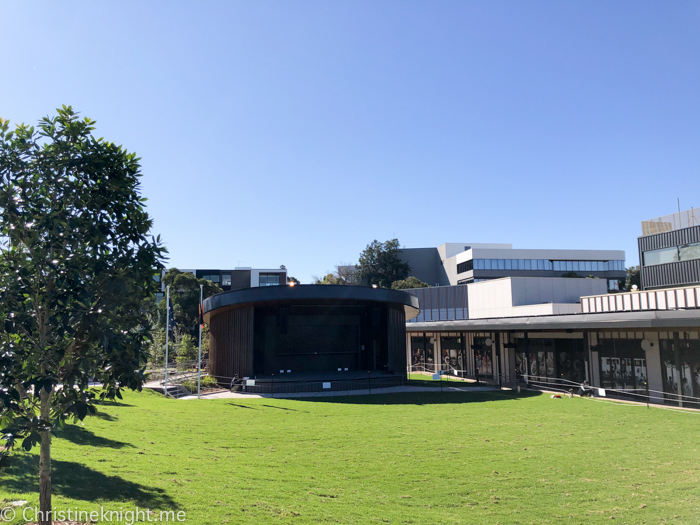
(297, 132)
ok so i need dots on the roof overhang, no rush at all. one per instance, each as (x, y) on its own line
(661, 320)
(306, 293)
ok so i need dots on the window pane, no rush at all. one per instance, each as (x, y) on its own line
(690, 251)
(548, 265)
(501, 264)
(576, 266)
(226, 279)
(509, 264)
(569, 266)
(528, 264)
(487, 263)
(663, 256)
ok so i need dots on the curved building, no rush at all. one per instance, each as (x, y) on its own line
(307, 329)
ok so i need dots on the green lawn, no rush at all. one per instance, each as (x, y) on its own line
(432, 458)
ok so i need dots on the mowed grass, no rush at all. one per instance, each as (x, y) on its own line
(424, 458)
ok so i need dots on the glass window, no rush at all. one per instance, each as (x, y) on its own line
(528, 264)
(509, 264)
(501, 264)
(226, 279)
(487, 264)
(569, 266)
(613, 284)
(521, 264)
(548, 265)
(557, 266)
(588, 266)
(663, 256)
(214, 277)
(269, 279)
(577, 266)
(479, 264)
(689, 251)
(540, 264)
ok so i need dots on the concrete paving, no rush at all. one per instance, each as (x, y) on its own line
(388, 390)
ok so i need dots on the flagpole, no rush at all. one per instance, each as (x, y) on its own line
(199, 362)
(167, 336)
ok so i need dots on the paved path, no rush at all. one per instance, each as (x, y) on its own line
(388, 390)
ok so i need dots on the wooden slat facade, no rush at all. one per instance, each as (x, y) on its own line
(396, 339)
(231, 344)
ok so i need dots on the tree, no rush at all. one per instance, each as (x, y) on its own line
(184, 294)
(633, 278)
(76, 265)
(291, 280)
(330, 278)
(411, 282)
(188, 349)
(380, 264)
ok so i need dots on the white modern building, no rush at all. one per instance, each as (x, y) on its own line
(465, 263)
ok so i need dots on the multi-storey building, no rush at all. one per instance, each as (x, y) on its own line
(669, 251)
(242, 277)
(465, 263)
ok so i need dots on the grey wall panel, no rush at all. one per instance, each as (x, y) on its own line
(672, 274)
(240, 279)
(425, 264)
(669, 239)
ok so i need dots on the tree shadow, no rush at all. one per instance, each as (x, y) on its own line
(281, 408)
(466, 395)
(81, 436)
(105, 416)
(110, 403)
(76, 481)
(239, 406)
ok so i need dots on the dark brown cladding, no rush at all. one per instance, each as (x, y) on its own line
(231, 343)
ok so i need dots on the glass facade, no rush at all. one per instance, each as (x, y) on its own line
(680, 367)
(684, 252)
(482, 357)
(214, 277)
(422, 353)
(453, 358)
(622, 364)
(541, 265)
(269, 279)
(226, 279)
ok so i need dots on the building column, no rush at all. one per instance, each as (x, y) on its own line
(653, 362)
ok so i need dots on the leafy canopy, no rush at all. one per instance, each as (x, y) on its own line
(410, 282)
(76, 264)
(380, 264)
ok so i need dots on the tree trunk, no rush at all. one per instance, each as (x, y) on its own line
(45, 516)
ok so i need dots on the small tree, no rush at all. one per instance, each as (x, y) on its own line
(76, 266)
(633, 278)
(187, 350)
(380, 264)
(411, 282)
(291, 280)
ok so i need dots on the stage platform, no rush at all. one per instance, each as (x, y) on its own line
(327, 382)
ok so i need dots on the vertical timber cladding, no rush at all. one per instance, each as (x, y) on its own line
(231, 344)
(396, 339)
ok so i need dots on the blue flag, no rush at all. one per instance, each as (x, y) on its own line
(171, 317)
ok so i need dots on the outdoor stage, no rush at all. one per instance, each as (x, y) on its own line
(326, 382)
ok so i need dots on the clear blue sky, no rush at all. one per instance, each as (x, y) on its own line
(297, 132)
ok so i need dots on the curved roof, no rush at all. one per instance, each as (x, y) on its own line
(309, 292)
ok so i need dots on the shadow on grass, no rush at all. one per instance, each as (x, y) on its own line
(105, 416)
(76, 481)
(82, 436)
(239, 406)
(423, 398)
